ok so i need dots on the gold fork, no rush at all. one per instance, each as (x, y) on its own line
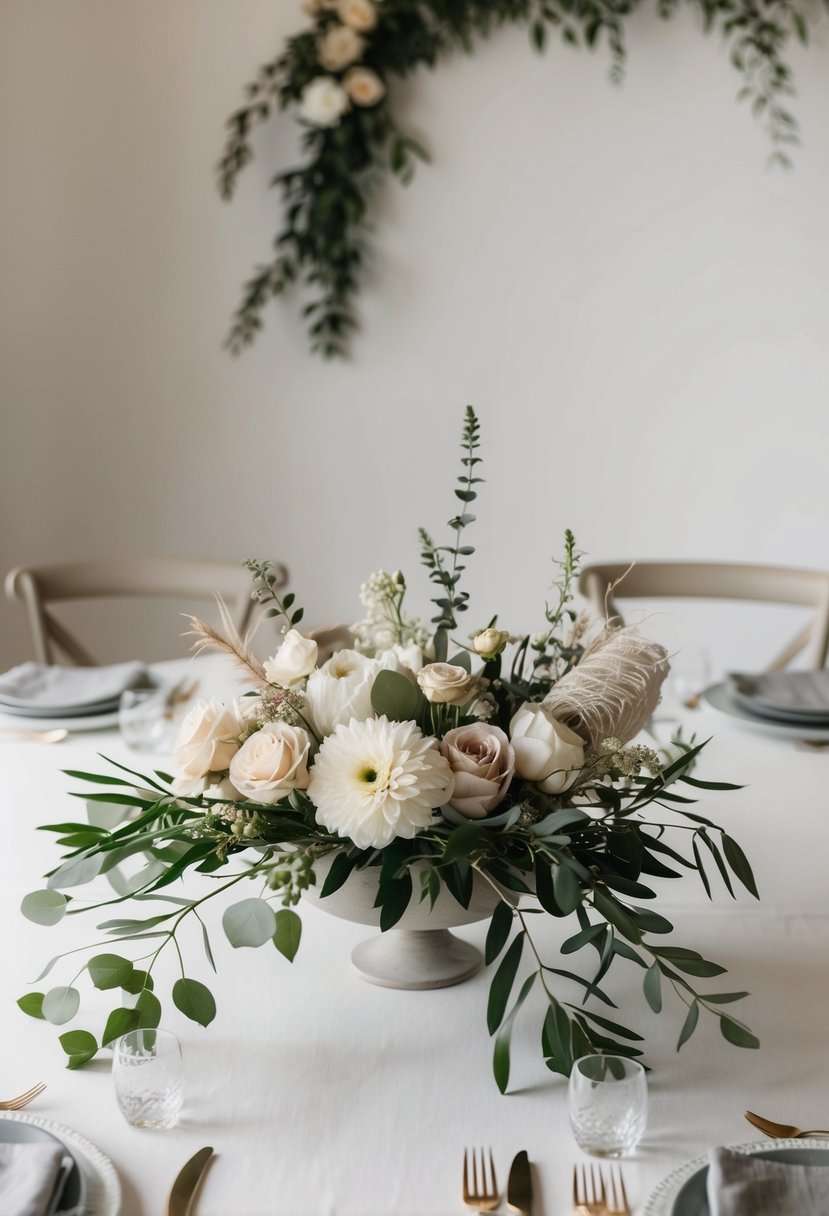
(617, 1200)
(23, 1099)
(480, 1186)
(588, 1191)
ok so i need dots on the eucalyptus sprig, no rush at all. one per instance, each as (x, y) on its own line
(325, 201)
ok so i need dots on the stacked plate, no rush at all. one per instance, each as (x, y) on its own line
(785, 703)
(79, 698)
(86, 1182)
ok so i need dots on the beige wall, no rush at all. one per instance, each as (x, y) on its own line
(635, 305)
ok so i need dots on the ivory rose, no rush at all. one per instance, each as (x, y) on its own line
(207, 740)
(339, 46)
(323, 102)
(341, 690)
(483, 762)
(295, 659)
(546, 751)
(446, 684)
(271, 763)
(358, 14)
(364, 87)
(408, 659)
(490, 642)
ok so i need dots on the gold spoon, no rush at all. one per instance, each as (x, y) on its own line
(782, 1131)
(36, 736)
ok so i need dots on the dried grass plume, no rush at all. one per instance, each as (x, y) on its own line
(228, 640)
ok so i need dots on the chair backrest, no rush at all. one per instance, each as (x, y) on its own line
(602, 585)
(38, 587)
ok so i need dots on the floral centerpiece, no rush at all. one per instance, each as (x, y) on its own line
(433, 762)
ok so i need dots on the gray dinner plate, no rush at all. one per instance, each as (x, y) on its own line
(719, 697)
(692, 1200)
(73, 1198)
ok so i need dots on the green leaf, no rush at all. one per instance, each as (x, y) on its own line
(396, 697)
(616, 915)
(137, 982)
(60, 1005)
(76, 872)
(689, 1025)
(79, 1045)
(393, 899)
(461, 843)
(582, 938)
(44, 907)
(148, 1007)
(501, 986)
(341, 867)
(724, 998)
(251, 922)
(109, 971)
(120, 1021)
(651, 922)
(288, 933)
(652, 985)
(556, 1037)
(32, 1004)
(501, 1058)
(738, 862)
(737, 1034)
(429, 885)
(568, 892)
(500, 927)
(195, 1001)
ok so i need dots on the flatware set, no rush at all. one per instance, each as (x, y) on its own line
(782, 1131)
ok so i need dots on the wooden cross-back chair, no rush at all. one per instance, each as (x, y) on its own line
(603, 585)
(41, 587)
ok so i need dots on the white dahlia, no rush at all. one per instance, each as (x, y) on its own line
(375, 780)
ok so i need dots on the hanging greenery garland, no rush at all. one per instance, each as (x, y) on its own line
(335, 77)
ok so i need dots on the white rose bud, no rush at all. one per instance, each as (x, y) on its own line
(546, 751)
(446, 684)
(490, 642)
(339, 46)
(323, 102)
(364, 87)
(358, 14)
(207, 740)
(295, 659)
(271, 763)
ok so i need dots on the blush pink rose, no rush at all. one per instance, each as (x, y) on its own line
(482, 759)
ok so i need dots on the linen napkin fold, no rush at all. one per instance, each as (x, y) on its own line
(37, 686)
(805, 692)
(28, 1175)
(740, 1184)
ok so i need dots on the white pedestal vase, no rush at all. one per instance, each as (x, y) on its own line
(419, 952)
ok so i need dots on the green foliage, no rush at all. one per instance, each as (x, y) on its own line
(288, 932)
(326, 200)
(249, 923)
(44, 907)
(195, 1001)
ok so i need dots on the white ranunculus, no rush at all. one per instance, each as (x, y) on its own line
(339, 46)
(295, 659)
(408, 660)
(546, 751)
(358, 14)
(271, 763)
(446, 683)
(364, 87)
(375, 780)
(341, 690)
(323, 102)
(207, 739)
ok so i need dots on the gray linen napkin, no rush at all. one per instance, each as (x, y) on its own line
(740, 1184)
(28, 1173)
(36, 686)
(805, 692)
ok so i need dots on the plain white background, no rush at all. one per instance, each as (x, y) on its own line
(634, 303)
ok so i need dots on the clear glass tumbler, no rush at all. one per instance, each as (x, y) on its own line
(608, 1098)
(143, 719)
(147, 1072)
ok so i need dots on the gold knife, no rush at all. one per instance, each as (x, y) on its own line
(186, 1184)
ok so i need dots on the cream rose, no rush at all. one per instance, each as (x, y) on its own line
(490, 642)
(446, 684)
(364, 87)
(341, 690)
(323, 102)
(357, 14)
(207, 740)
(295, 659)
(339, 46)
(271, 763)
(483, 762)
(546, 751)
(408, 660)
(224, 790)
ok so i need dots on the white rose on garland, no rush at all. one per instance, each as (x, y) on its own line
(364, 87)
(339, 46)
(546, 751)
(295, 659)
(375, 780)
(323, 102)
(341, 690)
(271, 763)
(207, 740)
(357, 14)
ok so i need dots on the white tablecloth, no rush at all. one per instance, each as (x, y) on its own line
(323, 1094)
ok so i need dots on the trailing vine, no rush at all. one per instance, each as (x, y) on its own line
(336, 76)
